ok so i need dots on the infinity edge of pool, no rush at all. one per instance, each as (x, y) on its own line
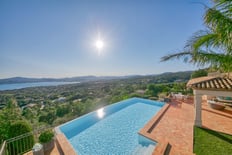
(67, 127)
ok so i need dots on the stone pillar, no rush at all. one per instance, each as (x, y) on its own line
(197, 102)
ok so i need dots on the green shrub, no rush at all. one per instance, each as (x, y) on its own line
(46, 136)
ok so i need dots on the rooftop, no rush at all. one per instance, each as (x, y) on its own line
(211, 83)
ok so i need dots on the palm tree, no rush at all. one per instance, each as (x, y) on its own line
(212, 46)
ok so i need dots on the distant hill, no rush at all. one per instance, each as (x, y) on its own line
(172, 77)
(30, 80)
(24, 80)
(168, 76)
(71, 79)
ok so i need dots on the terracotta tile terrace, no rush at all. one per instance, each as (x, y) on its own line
(175, 127)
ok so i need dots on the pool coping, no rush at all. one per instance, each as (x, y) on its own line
(161, 147)
(66, 148)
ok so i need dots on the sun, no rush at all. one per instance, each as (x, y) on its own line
(99, 44)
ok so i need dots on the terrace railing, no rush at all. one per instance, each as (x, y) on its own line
(3, 148)
(21, 144)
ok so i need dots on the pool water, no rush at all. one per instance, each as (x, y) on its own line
(112, 129)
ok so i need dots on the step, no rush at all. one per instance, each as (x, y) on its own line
(138, 150)
(143, 150)
(149, 150)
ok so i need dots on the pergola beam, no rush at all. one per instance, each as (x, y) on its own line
(214, 93)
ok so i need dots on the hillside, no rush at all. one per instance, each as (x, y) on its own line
(164, 77)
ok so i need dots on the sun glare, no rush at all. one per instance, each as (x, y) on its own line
(99, 44)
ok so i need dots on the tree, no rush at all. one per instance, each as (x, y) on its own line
(28, 114)
(47, 118)
(213, 46)
(199, 73)
(13, 125)
(8, 115)
(62, 110)
(154, 90)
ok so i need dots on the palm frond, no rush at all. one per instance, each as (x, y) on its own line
(219, 21)
(224, 6)
(218, 37)
(202, 39)
(221, 60)
(185, 55)
(216, 20)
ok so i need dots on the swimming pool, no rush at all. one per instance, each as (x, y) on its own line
(112, 129)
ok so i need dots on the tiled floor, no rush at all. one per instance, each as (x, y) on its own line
(216, 119)
(176, 126)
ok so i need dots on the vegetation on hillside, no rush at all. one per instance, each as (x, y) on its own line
(199, 73)
(14, 124)
(54, 105)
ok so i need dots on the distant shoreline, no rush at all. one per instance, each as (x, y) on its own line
(13, 86)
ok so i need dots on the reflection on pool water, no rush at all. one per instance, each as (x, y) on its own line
(100, 112)
(112, 129)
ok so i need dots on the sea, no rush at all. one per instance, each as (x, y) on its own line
(34, 84)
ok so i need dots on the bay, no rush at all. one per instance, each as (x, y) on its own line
(34, 84)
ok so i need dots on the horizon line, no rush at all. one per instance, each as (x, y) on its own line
(92, 75)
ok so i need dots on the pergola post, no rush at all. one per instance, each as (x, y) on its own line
(197, 102)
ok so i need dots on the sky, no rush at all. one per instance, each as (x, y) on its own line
(56, 38)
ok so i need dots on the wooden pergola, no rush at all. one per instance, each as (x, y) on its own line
(210, 86)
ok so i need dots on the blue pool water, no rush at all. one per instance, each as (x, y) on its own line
(112, 129)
